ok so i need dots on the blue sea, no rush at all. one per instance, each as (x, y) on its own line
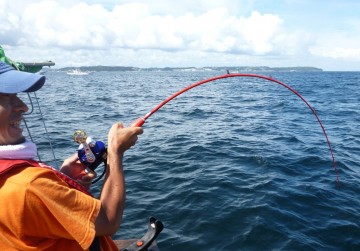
(235, 164)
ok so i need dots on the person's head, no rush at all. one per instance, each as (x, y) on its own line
(11, 107)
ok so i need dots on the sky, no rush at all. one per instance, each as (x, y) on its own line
(183, 33)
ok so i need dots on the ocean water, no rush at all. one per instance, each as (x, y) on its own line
(236, 164)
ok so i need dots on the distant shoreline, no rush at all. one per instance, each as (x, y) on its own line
(231, 69)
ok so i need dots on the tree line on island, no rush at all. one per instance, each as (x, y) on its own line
(230, 69)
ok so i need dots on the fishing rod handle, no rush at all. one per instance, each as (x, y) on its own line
(138, 123)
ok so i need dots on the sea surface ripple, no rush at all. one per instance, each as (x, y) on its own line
(236, 164)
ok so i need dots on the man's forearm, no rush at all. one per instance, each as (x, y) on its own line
(112, 197)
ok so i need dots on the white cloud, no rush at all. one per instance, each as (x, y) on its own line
(134, 26)
(339, 45)
(145, 33)
(352, 54)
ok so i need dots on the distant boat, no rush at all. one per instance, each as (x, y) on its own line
(77, 72)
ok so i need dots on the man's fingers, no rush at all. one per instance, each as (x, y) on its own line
(89, 176)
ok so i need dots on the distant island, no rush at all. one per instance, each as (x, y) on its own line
(231, 69)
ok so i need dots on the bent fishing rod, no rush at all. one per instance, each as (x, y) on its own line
(140, 121)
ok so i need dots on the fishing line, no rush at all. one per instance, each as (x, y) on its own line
(43, 122)
(140, 121)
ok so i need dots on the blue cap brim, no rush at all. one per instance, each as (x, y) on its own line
(13, 81)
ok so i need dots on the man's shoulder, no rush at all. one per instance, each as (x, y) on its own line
(38, 174)
(19, 181)
(26, 175)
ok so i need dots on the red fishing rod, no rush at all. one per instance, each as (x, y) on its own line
(140, 121)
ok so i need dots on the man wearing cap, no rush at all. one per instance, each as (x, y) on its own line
(41, 208)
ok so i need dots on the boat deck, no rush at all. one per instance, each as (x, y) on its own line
(122, 244)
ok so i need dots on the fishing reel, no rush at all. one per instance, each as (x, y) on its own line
(91, 153)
